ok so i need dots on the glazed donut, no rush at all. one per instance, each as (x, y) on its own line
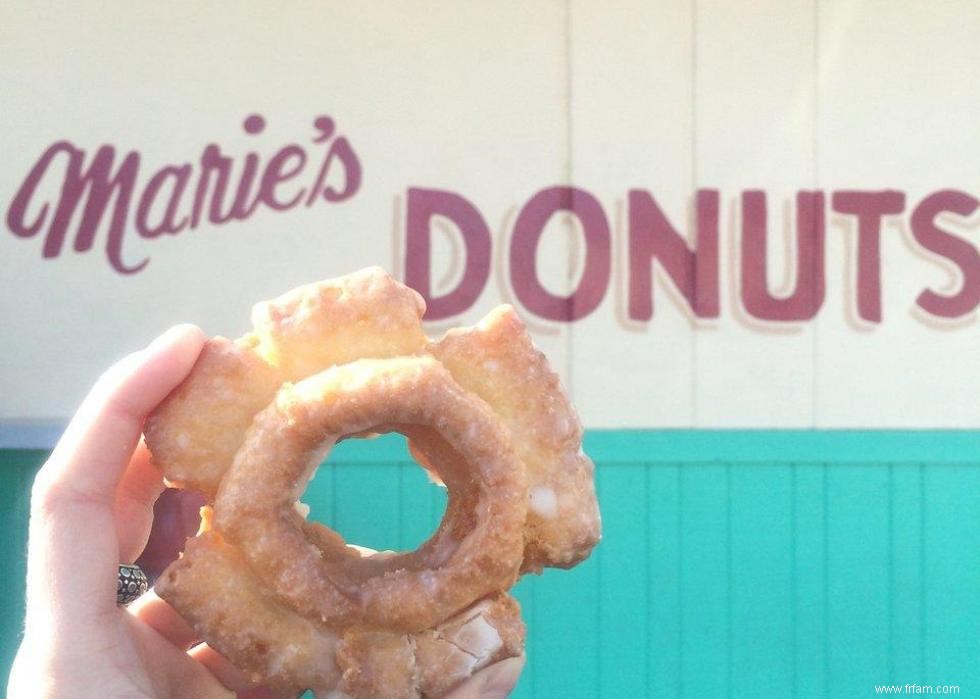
(497, 361)
(218, 594)
(288, 600)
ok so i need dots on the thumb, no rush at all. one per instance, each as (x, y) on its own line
(494, 682)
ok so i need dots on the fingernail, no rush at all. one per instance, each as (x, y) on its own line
(173, 334)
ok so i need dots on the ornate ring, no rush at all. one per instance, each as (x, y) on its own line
(131, 584)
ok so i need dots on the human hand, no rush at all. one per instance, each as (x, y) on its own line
(493, 682)
(91, 509)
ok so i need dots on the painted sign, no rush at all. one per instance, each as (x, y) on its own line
(701, 229)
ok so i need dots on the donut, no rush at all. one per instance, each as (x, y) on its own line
(289, 601)
(497, 361)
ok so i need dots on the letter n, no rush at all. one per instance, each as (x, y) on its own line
(693, 271)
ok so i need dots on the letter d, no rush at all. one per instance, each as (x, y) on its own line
(423, 204)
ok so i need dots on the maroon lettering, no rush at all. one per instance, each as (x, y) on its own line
(245, 203)
(693, 271)
(18, 207)
(528, 229)
(870, 208)
(212, 162)
(97, 186)
(179, 176)
(87, 193)
(422, 205)
(808, 295)
(278, 171)
(955, 249)
(340, 150)
(254, 124)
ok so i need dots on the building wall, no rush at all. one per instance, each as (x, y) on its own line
(590, 111)
(755, 564)
(790, 488)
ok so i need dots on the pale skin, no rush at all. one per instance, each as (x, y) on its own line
(91, 509)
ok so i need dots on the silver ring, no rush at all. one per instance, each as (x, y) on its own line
(131, 584)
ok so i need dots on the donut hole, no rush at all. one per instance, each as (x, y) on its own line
(475, 551)
(374, 494)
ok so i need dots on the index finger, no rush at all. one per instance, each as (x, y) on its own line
(73, 550)
(92, 454)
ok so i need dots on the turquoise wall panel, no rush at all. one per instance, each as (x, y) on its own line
(741, 564)
(17, 468)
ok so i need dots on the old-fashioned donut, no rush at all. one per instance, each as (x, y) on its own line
(288, 600)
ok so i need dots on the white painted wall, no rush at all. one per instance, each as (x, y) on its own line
(496, 101)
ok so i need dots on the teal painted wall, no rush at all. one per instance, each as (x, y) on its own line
(741, 564)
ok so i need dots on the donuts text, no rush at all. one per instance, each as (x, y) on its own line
(652, 240)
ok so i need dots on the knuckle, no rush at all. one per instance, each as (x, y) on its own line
(51, 496)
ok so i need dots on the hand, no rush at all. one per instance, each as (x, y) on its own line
(91, 509)
(493, 682)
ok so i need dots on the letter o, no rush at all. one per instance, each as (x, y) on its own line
(528, 229)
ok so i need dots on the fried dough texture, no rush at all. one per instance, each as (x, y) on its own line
(289, 601)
